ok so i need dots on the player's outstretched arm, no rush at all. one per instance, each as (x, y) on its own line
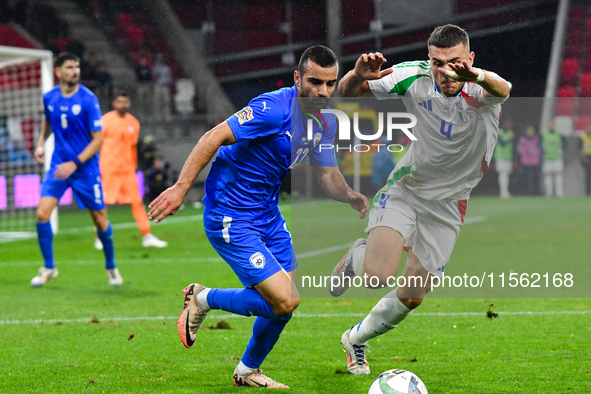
(64, 170)
(493, 84)
(367, 67)
(40, 150)
(334, 184)
(171, 199)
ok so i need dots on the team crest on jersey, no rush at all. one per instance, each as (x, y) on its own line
(130, 129)
(461, 113)
(317, 138)
(76, 108)
(257, 260)
(244, 115)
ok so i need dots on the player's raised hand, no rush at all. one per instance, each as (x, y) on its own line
(358, 202)
(39, 155)
(64, 170)
(461, 72)
(167, 203)
(368, 66)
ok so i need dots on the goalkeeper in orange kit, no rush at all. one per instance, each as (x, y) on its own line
(118, 163)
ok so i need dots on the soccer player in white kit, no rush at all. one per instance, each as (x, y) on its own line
(421, 208)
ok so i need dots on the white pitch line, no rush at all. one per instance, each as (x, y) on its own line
(121, 261)
(474, 219)
(296, 315)
(300, 256)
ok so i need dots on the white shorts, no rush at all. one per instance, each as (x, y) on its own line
(430, 228)
(504, 166)
(552, 166)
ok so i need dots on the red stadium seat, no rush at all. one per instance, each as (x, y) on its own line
(572, 50)
(124, 19)
(584, 106)
(585, 85)
(570, 71)
(565, 106)
(566, 91)
(581, 122)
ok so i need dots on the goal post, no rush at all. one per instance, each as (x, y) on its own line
(25, 74)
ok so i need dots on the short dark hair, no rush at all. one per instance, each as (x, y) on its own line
(448, 36)
(64, 57)
(122, 93)
(319, 54)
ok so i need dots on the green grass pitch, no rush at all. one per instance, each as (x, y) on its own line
(49, 343)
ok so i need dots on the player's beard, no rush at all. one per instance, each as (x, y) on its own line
(73, 82)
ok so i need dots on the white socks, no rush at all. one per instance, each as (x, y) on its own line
(202, 298)
(358, 259)
(244, 370)
(386, 315)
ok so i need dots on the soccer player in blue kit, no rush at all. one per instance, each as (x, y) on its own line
(73, 113)
(257, 148)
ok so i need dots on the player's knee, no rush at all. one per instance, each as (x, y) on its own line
(411, 303)
(43, 215)
(286, 307)
(383, 276)
(100, 219)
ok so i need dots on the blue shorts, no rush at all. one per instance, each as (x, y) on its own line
(86, 186)
(255, 249)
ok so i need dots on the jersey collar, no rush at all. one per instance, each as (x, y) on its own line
(438, 91)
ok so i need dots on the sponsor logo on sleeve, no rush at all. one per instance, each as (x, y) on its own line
(244, 115)
(98, 123)
(76, 108)
(257, 260)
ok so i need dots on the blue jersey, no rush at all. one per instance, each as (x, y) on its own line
(245, 177)
(72, 120)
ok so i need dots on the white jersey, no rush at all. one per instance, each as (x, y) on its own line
(456, 136)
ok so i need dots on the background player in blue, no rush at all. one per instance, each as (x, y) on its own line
(263, 141)
(73, 113)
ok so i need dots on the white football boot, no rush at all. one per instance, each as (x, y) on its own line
(43, 276)
(98, 245)
(150, 240)
(356, 361)
(114, 276)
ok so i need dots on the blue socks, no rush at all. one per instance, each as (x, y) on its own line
(245, 302)
(45, 238)
(106, 238)
(265, 333)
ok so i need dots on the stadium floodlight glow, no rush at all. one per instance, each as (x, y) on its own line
(25, 74)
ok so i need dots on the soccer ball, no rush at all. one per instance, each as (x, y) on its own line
(398, 381)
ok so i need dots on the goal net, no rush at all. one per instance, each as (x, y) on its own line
(25, 74)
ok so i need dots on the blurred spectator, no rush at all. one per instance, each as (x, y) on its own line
(16, 153)
(382, 164)
(76, 47)
(147, 152)
(530, 157)
(144, 78)
(553, 145)
(144, 54)
(585, 149)
(90, 68)
(504, 157)
(157, 179)
(162, 80)
(104, 82)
